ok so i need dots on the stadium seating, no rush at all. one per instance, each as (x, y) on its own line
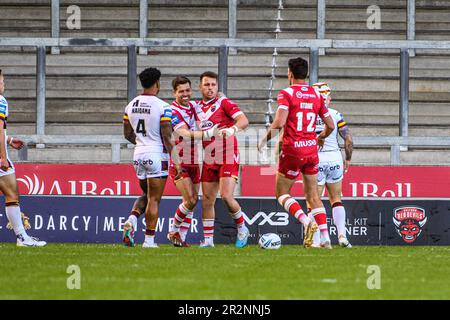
(86, 87)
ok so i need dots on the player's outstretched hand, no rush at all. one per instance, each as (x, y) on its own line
(220, 94)
(228, 132)
(262, 153)
(16, 143)
(212, 132)
(321, 142)
(346, 165)
(4, 164)
(179, 171)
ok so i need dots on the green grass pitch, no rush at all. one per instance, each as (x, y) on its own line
(223, 272)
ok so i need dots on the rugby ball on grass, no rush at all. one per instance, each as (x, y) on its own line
(270, 241)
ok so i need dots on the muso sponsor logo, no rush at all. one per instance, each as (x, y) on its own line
(273, 219)
(204, 125)
(306, 143)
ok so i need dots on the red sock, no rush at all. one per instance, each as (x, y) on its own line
(208, 228)
(321, 219)
(294, 208)
(238, 218)
(180, 214)
(186, 224)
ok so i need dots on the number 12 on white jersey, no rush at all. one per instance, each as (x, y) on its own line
(311, 117)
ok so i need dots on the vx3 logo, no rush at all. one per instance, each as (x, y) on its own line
(273, 219)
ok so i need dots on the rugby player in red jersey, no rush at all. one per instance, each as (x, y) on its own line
(221, 157)
(187, 135)
(298, 108)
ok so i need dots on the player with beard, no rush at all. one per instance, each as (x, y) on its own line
(220, 167)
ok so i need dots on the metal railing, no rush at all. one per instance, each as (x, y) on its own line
(247, 141)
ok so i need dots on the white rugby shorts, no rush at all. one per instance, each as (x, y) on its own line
(11, 170)
(151, 165)
(331, 168)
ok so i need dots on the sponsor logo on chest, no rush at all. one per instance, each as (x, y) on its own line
(306, 143)
(302, 95)
(206, 124)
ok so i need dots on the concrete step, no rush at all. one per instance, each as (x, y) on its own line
(385, 4)
(235, 94)
(156, 27)
(32, 20)
(109, 86)
(344, 65)
(250, 105)
(345, 16)
(243, 3)
(116, 127)
(209, 50)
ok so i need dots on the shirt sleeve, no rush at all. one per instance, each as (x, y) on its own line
(283, 100)
(231, 108)
(177, 120)
(323, 110)
(3, 108)
(340, 120)
(166, 113)
(125, 117)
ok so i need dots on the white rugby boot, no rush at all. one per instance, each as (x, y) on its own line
(29, 242)
(343, 241)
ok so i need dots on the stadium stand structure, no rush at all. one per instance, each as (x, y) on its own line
(86, 86)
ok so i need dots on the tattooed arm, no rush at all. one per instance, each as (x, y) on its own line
(344, 132)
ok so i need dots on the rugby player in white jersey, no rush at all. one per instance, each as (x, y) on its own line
(332, 166)
(147, 124)
(8, 182)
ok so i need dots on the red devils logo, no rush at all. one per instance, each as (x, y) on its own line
(409, 222)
